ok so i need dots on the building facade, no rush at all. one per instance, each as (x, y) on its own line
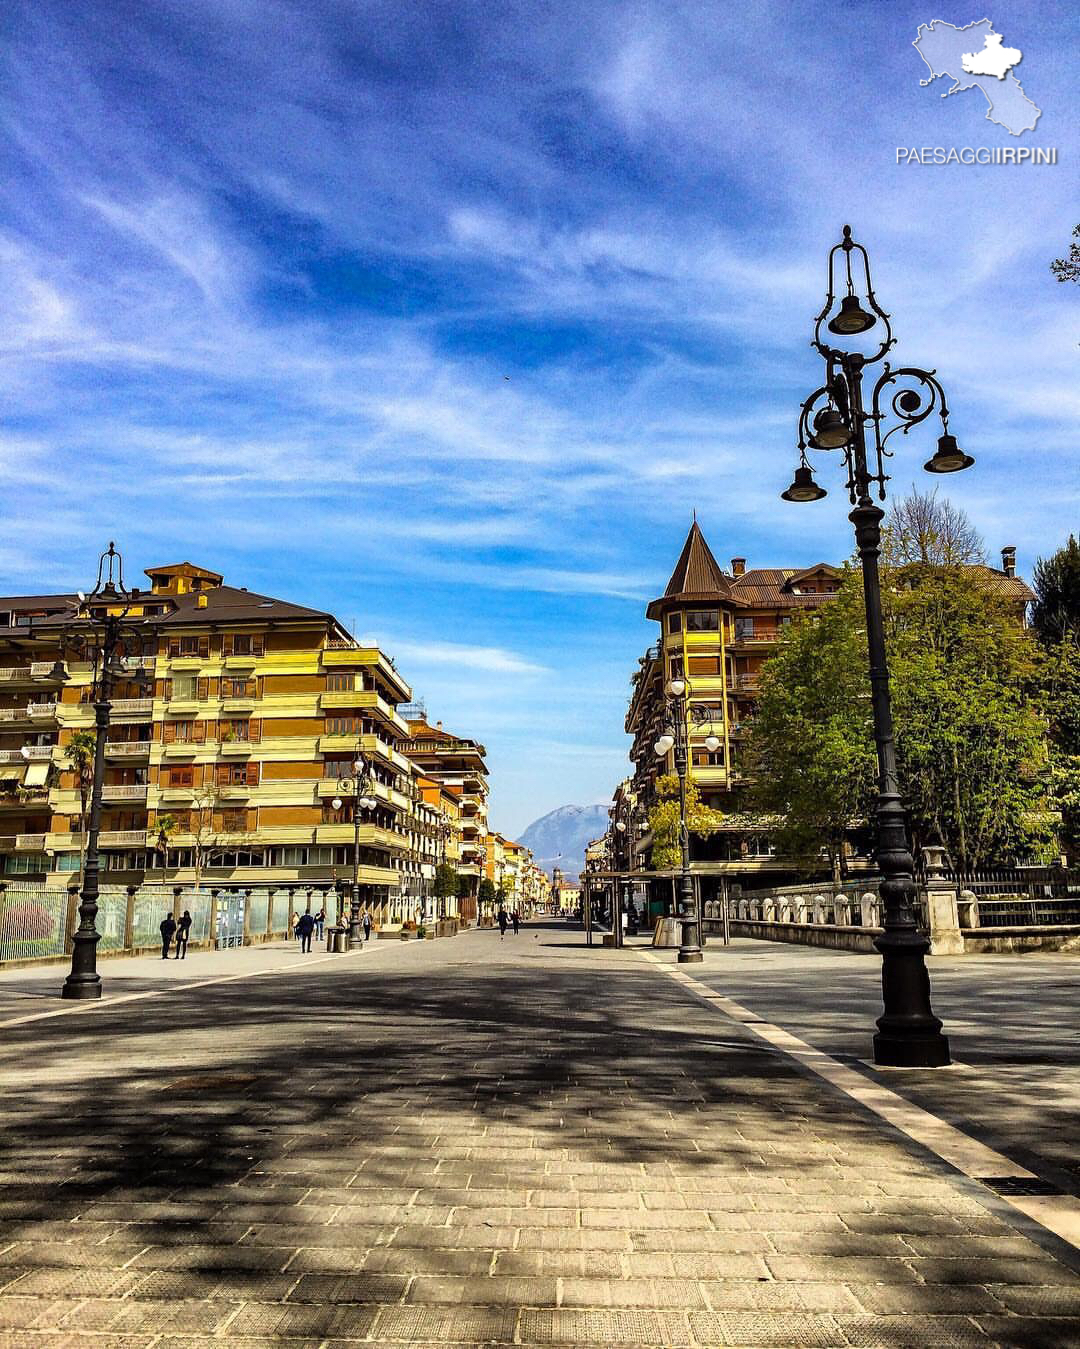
(233, 764)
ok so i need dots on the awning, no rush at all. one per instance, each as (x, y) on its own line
(11, 774)
(37, 774)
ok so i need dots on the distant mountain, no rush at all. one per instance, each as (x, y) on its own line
(558, 839)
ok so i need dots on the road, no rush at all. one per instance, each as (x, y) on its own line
(470, 1141)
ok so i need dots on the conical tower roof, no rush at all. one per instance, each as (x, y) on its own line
(697, 577)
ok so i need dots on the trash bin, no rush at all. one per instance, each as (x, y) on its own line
(337, 940)
(330, 938)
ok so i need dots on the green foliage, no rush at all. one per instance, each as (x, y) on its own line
(664, 821)
(1061, 700)
(1056, 582)
(447, 881)
(486, 894)
(970, 741)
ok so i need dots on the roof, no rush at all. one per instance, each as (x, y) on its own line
(1008, 587)
(183, 569)
(36, 601)
(767, 587)
(227, 604)
(697, 576)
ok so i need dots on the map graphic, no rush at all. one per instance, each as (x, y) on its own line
(974, 57)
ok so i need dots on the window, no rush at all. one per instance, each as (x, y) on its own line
(744, 629)
(674, 622)
(238, 775)
(343, 725)
(704, 665)
(237, 729)
(234, 821)
(675, 667)
(184, 686)
(237, 688)
(340, 683)
(180, 777)
(703, 620)
(244, 644)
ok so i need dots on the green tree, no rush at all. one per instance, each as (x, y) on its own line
(1061, 702)
(486, 894)
(971, 744)
(80, 753)
(811, 749)
(1056, 582)
(447, 883)
(664, 821)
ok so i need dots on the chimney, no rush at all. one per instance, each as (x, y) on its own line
(438, 725)
(738, 566)
(1008, 560)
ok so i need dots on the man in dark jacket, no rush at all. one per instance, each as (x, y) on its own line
(168, 927)
(183, 931)
(305, 926)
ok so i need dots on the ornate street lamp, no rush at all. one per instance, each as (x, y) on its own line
(837, 416)
(97, 630)
(360, 788)
(680, 712)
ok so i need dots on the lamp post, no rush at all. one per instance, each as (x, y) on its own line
(680, 711)
(360, 786)
(97, 629)
(837, 416)
(623, 849)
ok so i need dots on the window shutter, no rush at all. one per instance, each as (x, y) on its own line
(254, 729)
(211, 729)
(174, 646)
(204, 646)
(203, 687)
(199, 732)
(168, 732)
(257, 644)
(252, 822)
(260, 685)
(226, 644)
(222, 774)
(167, 689)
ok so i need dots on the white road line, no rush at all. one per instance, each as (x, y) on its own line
(1059, 1213)
(102, 1003)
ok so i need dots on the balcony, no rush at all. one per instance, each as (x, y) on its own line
(28, 754)
(17, 674)
(123, 791)
(187, 662)
(42, 670)
(10, 714)
(238, 662)
(180, 749)
(371, 835)
(41, 711)
(30, 842)
(132, 707)
(364, 700)
(176, 793)
(236, 746)
(122, 838)
(127, 749)
(182, 707)
(244, 702)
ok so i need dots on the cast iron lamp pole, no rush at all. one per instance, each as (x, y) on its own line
(835, 417)
(361, 787)
(676, 737)
(108, 640)
(623, 846)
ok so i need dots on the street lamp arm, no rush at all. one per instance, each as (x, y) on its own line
(850, 307)
(910, 405)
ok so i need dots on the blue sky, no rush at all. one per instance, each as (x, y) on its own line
(445, 316)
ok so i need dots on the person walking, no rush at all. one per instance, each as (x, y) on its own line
(305, 926)
(503, 920)
(168, 927)
(367, 924)
(183, 931)
(293, 920)
(516, 918)
(320, 922)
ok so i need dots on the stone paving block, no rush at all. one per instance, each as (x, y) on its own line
(244, 1259)
(764, 1328)
(603, 1327)
(71, 1255)
(275, 1322)
(1028, 1300)
(573, 1239)
(973, 1247)
(28, 1313)
(445, 1324)
(742, 1295)
(840, 1243)
(356, 1287)
(906, 1299)
(453, 1238)
(232, 1284)
(917, 1332)
(193, 1318)
(85, 1282)
(644, 1220)
(70, 1339)
(485, 1290)
(1029, 1332)
(939, 1269)
(422, 1260)
(283, 1235)
(841, 1269)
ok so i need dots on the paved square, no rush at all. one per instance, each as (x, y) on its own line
(470, 1142)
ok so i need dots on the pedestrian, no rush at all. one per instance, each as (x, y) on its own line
(305, 926)
(517, 921)
(503, 920)
(168, 927)
(293, 920)
(183, 930)
(320, 921)
(367, 924)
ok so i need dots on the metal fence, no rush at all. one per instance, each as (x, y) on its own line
(36, 921)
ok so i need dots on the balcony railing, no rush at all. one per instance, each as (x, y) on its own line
(41, 669)
(126, 706)
(123, 791)
(122, 838)
(18, 673)
(127, 749)
(30, 842)
(41, 710)
(28, 753)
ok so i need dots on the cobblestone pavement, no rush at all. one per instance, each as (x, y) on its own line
(471, 1142)
(1011, 1022)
